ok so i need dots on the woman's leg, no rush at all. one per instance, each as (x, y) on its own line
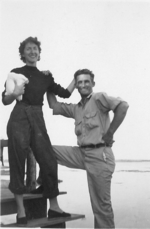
(18, 141)
(20, 206)
(43, 152)
(54, 205)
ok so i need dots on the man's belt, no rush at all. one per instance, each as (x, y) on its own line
(93, 146)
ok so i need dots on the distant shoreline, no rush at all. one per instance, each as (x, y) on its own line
(120, 160)
(131, 160)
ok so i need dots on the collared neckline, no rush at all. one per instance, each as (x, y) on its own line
(87, 98)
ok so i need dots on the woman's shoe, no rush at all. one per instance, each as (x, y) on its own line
(38, 190)
(54, 214)
(21, 221)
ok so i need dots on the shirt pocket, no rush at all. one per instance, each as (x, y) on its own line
(91, 120)
(78, 128)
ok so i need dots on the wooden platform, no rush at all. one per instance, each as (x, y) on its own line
(44, 222)
(36, 211)
(35, 204)
(7, 195)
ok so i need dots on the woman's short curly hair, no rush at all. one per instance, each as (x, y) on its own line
(23, 44)
(83, 71)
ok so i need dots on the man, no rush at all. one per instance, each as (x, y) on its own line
(95, 138)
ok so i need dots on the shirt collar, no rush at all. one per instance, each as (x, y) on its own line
(87, 98)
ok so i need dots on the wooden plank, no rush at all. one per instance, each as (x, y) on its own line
(7, 195)
(59, 225)
(4, 166)
(5, 172)
(43, 222)
(35, 204)
(3, 143)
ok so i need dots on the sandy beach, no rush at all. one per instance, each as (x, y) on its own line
(130, 195)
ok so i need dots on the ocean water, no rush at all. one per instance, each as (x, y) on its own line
(132, 166)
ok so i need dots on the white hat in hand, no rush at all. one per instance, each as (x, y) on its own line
(15, 79)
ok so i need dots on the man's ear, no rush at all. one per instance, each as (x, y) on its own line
(93, 83)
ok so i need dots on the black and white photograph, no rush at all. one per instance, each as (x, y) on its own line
(75, 114)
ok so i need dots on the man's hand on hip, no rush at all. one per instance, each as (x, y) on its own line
(108, 139)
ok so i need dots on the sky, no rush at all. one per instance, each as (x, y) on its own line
(111, 38)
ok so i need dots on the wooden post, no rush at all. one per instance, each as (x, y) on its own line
(31, 165)
(3, 143)
(35, 207)
(31, 171)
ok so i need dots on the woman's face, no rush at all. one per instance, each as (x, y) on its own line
(31, 54)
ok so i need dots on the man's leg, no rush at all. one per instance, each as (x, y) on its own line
(99, 174)
(69, 156)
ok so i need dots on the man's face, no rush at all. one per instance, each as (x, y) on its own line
(31, 53)
(84, 84)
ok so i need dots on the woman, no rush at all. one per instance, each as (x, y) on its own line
(26, 129)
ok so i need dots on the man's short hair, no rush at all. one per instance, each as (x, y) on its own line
(83, 71)
(23, 44)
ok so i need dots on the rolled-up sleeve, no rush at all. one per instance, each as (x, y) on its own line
(107, 103)
(64, 109)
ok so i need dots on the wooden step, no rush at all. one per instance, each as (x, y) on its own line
(35, 204)
(45, 222)
(7, 195)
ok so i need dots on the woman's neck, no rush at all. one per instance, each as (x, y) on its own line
(31, 64)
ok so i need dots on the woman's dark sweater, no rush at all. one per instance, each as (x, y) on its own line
(38, 85)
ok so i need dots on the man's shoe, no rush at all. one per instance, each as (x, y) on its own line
(21, 221)
(38, 190)
(54, 214)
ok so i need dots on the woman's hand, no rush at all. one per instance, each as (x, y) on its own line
(18, 90)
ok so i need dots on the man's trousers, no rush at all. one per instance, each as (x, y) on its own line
(99, 164)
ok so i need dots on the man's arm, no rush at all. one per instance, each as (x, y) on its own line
(64, 109)
(119, 115)
(51, 98)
